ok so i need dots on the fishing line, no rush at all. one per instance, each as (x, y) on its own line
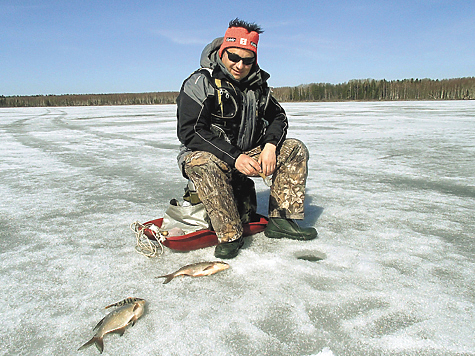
(144, 245)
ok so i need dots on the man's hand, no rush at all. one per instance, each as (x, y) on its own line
(247, 165)
(267, 159)
(266, 163)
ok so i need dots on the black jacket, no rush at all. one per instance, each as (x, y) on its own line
(226, 117)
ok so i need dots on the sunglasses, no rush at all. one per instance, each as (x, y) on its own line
(233, 57)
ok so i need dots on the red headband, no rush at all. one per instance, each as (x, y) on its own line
(240, 38)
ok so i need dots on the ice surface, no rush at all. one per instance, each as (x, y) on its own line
(391, 191)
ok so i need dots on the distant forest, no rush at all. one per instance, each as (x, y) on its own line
(354, 90)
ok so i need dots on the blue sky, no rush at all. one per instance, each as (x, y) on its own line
(66, 47)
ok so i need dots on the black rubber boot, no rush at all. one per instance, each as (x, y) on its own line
(229, 249)
(279, 228)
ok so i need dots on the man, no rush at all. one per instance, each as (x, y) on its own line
(232, 128)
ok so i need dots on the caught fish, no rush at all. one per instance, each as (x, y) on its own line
(196, 270)
(116, 322)
(129, 300)
(267, 180)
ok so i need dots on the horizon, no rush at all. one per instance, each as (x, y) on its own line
(120, 47)
(177, 91)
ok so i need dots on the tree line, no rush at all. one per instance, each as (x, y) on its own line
(371, 90)
(354, 90)
(89, 99)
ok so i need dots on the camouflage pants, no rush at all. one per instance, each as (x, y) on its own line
(213, 180)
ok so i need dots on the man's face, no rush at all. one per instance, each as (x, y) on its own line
(238, 69)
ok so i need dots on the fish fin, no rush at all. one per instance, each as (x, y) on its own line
(116, 304)
(168, 277)
(95, 340)
(121, 330)
(208, 267)
(99, 323)
(100, 344)
(132, 321)
(113, 305)
(128, 300)
(87, 344)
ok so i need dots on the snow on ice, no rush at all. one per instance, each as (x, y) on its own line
(391, 191)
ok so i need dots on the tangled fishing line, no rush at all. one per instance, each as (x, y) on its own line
(144, 245)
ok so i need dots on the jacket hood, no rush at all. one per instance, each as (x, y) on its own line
(210, 59)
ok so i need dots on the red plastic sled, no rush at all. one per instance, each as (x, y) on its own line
(201, 238)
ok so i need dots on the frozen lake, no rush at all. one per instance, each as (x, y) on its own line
(391, 190)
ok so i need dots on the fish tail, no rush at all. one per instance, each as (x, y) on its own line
(95, 340)
(168, 277)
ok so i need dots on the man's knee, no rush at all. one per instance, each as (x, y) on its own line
(295, 149)
(202, 162)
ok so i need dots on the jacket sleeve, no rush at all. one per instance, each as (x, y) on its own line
(275, 115)
(194, 106)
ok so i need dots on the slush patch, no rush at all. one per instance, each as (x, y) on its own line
(311, 256)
